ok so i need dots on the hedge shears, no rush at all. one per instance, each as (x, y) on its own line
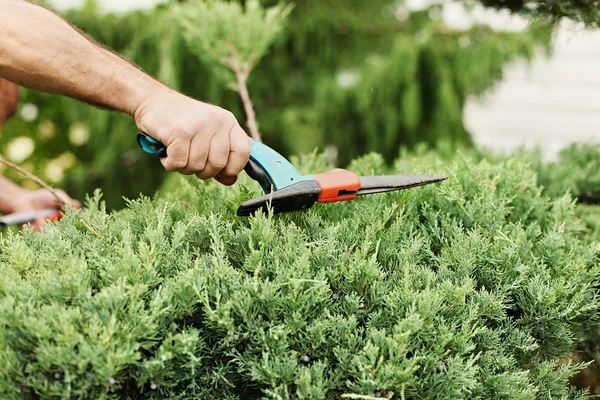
(285, 189)
(49, 214)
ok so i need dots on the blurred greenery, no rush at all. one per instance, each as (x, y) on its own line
(214, 29)
(586, 12)
(348, 77)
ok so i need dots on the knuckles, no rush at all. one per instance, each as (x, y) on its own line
(210, 123)
(175, 165)
(245, 147)
(193, 130)
(222, 120)
(229, 118)
(182, 132)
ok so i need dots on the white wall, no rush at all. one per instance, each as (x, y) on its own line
(550, 103)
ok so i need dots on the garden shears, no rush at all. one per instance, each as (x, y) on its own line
(50, 214)
(287, 190)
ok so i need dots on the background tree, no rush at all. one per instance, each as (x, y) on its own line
(351, 76)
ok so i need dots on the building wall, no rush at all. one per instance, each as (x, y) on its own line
(550, 103)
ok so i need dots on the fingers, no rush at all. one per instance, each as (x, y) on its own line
(223, 158)
(178, 153)
(73, 203)
(198, 156)
(227, 181)
(239, 152)
(228, 156)
(9, 98)
(38, 200)
(217, 157)
(45, 199)
(201, 139)
(66, 200)
(42, 199)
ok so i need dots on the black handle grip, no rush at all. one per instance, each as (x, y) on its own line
(256, 172)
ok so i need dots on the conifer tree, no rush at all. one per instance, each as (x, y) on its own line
(233, 36)
(479, 288)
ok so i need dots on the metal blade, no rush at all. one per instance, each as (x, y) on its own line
(23, 218)
(389, 183)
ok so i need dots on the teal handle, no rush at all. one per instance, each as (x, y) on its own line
(151, 145)
(266, 165)
(280, 171)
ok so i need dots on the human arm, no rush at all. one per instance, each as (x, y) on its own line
(9, 99)
(8, 192)
(41, 51)
(14, 199)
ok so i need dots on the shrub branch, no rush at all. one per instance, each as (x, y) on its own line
(32, 177)
(242, 70)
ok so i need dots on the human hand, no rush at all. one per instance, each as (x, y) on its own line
(201, 139)
(9, 99)
(27, 201)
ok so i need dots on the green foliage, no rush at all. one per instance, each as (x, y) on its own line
(219, 32)
(577, 171)
(574, 172)
(413, 76)
(418, 92)
(584, 11)
(472, 288)
(590, 215)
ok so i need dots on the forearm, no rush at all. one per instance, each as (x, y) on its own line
(41, 51)
(8, 192)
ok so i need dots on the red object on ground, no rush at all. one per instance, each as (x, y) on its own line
(337, 185)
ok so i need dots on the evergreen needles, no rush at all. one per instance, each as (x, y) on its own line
(474, 288)
(234, 36)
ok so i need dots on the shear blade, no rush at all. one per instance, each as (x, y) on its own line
(300, 196)
(389, 183)
(23, 218)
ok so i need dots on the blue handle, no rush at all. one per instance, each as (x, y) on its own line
(151, 145)
(280, 171)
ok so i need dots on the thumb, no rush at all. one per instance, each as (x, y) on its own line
(226, 180)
